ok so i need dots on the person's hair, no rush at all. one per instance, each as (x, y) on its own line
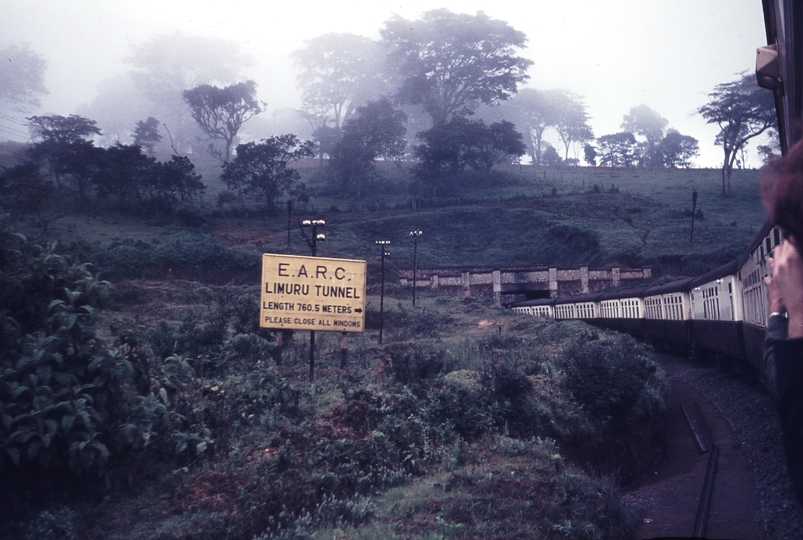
(782, 191)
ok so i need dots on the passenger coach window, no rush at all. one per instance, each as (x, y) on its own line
(777, 234)
(769, 244)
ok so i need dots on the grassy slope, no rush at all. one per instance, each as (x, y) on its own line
(603, 217)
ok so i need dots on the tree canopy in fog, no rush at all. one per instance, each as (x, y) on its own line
(338, 72)
(450, 63)
(742, 111)
(146, 134)
(376, 130)
(571, 119)
(644, 121)
(264, 168)
(221, 112)
(533, 111)
(166, 65)
(22, 73)
(675, 150)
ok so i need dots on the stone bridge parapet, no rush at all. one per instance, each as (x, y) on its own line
(510, 283)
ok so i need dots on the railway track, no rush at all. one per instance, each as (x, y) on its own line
(701, 433)
(749, 489)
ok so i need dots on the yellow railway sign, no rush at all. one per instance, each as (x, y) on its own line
(312, 293)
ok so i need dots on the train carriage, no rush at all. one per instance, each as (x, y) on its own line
(753, 268)
(717, 311)
(668, 312)
(543, 307)
(583, 307)
(623, 311)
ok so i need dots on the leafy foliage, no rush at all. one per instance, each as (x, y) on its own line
(146, 134)
(61, 390)
(184, 254)
(338, 73)
(675, 150)
(65, 161)
(377, 130)
(450, 63)
(449, 148)
(27, 190)
(742, 111)
(617, 150)
(263, 168)
(221, 112)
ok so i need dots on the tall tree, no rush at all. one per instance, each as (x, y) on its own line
(125, 173)
(450, 63)
(22, 73)
(590, 154)
(264, 168)
(531, 110)
(742, 111)
(646, 122)
(617, 149)
(675, 150)
(26, 190)
(499, 143)
(146, 134)
(534, 111)
(339, 72)
(221, 112)
(62, 129)
(448, 149)
(63, 145)
(167, 64)
(171, 182)
(376, 130)
(571, 119)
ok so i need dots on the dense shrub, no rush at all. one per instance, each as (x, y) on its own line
(62, 391)
(622, 393)
(615, 379)
(186, 255)
(414, 365)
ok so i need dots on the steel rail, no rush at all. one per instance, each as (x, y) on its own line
(698, 437)
(703, 425)
(705, 498)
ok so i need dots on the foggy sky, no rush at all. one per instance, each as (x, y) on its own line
(617, 54)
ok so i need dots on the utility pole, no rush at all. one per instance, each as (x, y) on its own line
(382, 244)
(316, 237)
(289, 217)
(693, 212)
(415, 234)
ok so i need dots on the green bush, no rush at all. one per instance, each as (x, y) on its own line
(188, 255)
(129, 259)
(615, 379)
(62, 390)
(416, 364)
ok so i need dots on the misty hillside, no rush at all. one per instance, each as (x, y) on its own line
(562, 217)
